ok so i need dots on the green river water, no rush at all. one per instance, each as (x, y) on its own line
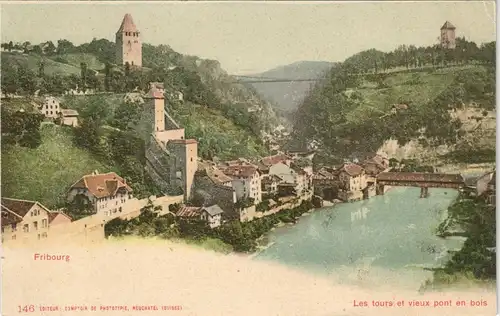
(383, 241)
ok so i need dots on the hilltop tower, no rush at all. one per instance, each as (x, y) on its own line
(448, 36)
(128, 43)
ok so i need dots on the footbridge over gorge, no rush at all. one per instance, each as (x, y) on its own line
(420, 179)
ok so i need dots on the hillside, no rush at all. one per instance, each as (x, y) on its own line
(226, 118)
(287, 95)
(352, 111)
(202, 82)
(44, 174)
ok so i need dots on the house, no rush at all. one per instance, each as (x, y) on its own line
(292, 175)
(218, 177)
(286, 189)
(212, 215)
(189, 212)
(51, 107)
(246, 181)
(270, 184)
(24, 220)
(275, 159)
(104, 193)
(352, 177)
(69, 117)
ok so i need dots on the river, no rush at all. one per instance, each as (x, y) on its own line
(383, 241)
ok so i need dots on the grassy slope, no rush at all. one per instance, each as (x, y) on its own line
(215, 131)
(77, 58)
(33, 62)
(45, 173)
(418, 87)
(71, 64)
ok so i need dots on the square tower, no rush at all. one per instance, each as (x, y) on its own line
(184, 164)
(128, 43)
(448, 36)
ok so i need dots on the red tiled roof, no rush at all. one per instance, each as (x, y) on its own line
(189, 211)
(19, 207)
(272, 160)
(352, 169)
(127, 24)
(240, 171)
(217, 176)
(102, 185)
(9, 218)
(54, 214)
(420, 177)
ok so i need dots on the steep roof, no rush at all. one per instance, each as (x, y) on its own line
(272, 178)
(213, 210)
(19, 207)
(352, 169)
(9, 218)
(217, 176)
(102, 185)
(448, 26)
(127, 24)
(272, 160)
(189, 211)
(54, 214)
(240, 171)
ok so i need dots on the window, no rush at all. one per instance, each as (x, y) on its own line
(13, 237)
(44, 235)
(35, 225)
(44, 223)
(26, 228)
(38, 236)
(14, 227)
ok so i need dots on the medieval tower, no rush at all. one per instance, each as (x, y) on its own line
(448, 36)
(128, 43)
(171, 160)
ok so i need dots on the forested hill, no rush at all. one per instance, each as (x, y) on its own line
(408, 94)
(209, 92)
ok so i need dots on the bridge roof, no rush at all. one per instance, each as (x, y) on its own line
(420, 177)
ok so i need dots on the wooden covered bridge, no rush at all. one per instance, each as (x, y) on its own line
(420, 179)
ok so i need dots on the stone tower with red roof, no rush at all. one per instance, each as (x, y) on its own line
(128, 43)
(448, 36)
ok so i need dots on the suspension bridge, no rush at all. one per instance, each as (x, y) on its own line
(253, 79)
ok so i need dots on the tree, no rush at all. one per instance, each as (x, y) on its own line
(41, 69)
(64, 47)
(83, 76)
(49, 48)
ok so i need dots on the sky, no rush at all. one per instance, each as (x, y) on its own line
(252, 37)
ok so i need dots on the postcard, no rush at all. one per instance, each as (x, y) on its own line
(248, 158)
